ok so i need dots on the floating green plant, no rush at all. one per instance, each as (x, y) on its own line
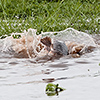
(53, 89)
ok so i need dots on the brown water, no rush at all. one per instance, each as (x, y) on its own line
(26, 78)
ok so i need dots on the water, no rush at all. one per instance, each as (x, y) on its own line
(26, 78)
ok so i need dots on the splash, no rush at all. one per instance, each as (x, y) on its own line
(29, 45)
(72, 35)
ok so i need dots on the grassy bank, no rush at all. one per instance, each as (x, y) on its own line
(49, 15)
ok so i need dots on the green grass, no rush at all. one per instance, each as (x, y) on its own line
(49, 15)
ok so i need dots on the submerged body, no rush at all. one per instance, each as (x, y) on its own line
(54, 46)
(65, 48)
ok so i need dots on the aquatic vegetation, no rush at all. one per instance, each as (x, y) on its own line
(49, 15)
(53, 89)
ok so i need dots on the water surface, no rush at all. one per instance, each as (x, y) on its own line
(26, 79)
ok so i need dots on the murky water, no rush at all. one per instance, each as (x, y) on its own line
(26, 78)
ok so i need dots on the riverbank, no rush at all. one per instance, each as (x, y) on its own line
(16, 16)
